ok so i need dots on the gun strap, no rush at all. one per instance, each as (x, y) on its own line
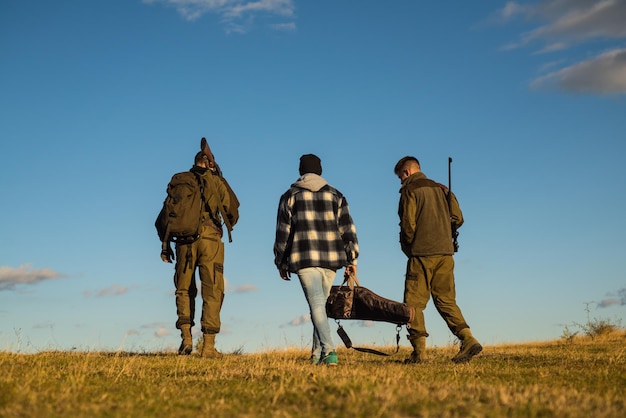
(348, 343)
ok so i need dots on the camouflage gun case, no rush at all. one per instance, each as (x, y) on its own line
(352, 301)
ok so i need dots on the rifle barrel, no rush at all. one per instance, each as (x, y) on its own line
(455, 233)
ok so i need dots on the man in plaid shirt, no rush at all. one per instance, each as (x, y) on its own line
(315, 236)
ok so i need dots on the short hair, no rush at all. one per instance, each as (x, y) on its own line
(403, 161)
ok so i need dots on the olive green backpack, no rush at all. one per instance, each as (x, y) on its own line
(180, 218)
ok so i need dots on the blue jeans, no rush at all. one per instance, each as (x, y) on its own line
(316, 283)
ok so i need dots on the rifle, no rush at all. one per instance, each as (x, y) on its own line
(206, 150)
(455, 233)
(233, 210)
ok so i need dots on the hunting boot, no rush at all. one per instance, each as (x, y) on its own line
(469, 347)
(208, 347)
(186, 346)
(419, 350)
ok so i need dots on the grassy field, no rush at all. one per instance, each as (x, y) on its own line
(577, 377)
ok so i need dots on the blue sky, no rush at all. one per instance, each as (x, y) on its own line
(102, 101)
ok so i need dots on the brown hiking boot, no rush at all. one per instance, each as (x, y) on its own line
(208, 347)
(419, 351)
(186, 346)
(469, 347)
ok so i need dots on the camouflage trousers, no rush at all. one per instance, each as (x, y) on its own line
(207, 255)
(432, 276)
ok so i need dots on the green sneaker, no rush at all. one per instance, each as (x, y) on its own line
(314, 360)
(330, 359)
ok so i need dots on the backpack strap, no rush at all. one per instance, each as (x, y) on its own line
(200, 184)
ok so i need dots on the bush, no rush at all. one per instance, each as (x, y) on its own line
(594, 327)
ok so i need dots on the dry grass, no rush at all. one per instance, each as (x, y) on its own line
(579, 377)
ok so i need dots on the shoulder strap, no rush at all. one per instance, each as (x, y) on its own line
(348, 343)
(200, 184)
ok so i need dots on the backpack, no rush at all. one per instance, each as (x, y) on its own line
(180, 218)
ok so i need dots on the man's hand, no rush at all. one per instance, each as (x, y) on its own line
(167, 255)
(349, 271)
(284, 274)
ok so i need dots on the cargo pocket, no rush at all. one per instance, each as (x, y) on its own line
(218, 275)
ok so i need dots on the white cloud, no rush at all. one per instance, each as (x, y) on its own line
(510, 10)
(605, 303)
(569, 21)
(286, 27)
(24, 274)
(278, 7)
(556, 46)
(300, 320)
(619, 299)
(578, 18)
(246, 288)
(233, 12)
(154, 325)
(161, 332)
(566, 23)
(113, 290)
(604, 74)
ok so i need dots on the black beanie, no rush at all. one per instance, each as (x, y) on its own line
(310, 163)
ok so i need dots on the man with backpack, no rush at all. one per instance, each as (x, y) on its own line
(428, 213)
(315, 236)
(202, 201)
